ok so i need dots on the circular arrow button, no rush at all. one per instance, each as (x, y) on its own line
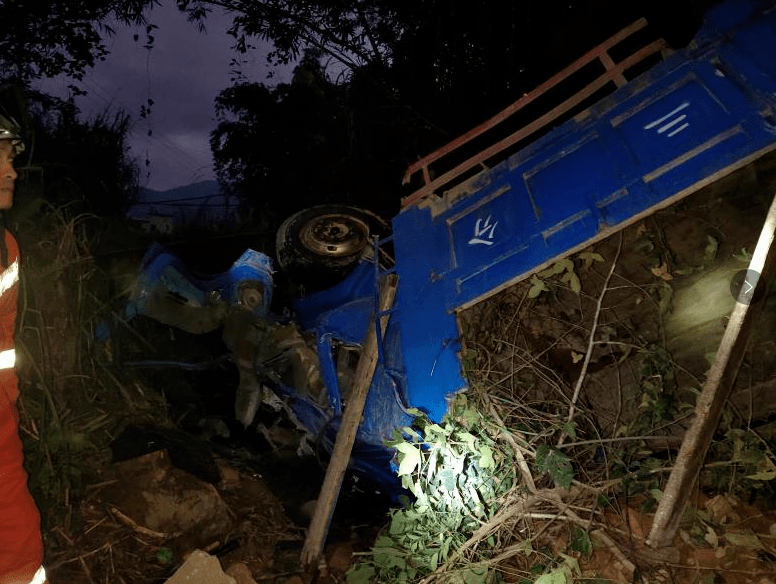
(747, 287)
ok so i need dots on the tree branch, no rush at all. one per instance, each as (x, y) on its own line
(591, 342)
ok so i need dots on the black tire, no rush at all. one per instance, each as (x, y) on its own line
(326, 239)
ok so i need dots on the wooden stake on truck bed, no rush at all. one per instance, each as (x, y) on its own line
(346, 436)
(719, 382)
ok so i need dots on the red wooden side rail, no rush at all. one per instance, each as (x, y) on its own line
(614, 73)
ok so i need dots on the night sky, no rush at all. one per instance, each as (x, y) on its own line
(182, 74)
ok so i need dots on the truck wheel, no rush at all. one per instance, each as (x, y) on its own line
(326, 238)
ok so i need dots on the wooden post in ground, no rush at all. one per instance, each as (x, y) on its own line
(716, 390)
(346, 435)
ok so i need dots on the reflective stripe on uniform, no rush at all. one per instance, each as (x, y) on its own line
(9, 277)
(7, 359)
(39, 577)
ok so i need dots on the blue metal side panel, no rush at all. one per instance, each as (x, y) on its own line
(360, 283)
(728, 16)
(429, 333)
(691, 124)
(348, 323)
(701, 111)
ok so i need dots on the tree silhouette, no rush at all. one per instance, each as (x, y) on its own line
(45, 39)
(281, 147)
(82, 164)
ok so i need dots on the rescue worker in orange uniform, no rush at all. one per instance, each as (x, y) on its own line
(21, 546)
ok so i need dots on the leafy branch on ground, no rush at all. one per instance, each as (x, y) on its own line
(456, 472)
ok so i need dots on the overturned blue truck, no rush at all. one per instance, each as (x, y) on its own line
(642, 132)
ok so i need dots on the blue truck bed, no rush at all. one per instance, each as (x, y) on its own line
(701, 113)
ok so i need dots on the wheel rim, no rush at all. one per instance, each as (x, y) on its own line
(335, 235)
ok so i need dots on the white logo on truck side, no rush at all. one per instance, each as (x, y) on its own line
(483, 229)
(669, 122)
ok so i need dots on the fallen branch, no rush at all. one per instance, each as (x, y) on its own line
(312, 551)
(126, 520)
(565, 510)
(525, 471)
(591, 341)
(518, 506)
(719, 383)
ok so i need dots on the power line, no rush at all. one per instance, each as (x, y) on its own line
(194, 205)
(183, 159)
(199, 198)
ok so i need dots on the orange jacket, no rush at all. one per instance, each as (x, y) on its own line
(21, 547)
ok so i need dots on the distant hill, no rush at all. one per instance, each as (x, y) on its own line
(199, 203)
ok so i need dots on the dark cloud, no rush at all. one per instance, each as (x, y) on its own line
(181, 73)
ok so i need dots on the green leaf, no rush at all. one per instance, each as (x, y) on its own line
(657, 494)
(555, 269)
(409, 458)
(744, 540)
(542, 451)
(444, 552)
(556, 464)
(588, 257)
(447, 477)
(476, 575)
(436, 429)
(572, 280)
(580, 542)
(470, 416)
(557, 576)
(398, 524)
(396, 438)
(412, 433)
(164, 555)
(433, 462)
(486, 457)
(469, 439)
(384, 541)
(766, 470)
(571, 564)
(360, 574)
(537, 287)
(525, 547)
(434, 561)
(576, 286)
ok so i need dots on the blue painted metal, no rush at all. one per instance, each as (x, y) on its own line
(162, 273)
(702, 112)
(343, 310)
(343, 318)
(342, 315)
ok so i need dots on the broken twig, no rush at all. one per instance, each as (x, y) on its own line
(591, 341)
